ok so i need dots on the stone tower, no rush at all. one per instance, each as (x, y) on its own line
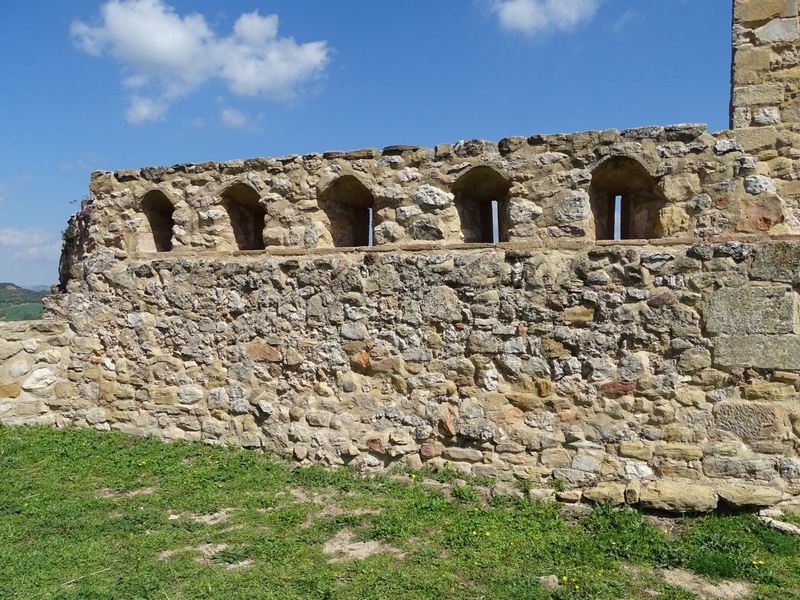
(766, 64)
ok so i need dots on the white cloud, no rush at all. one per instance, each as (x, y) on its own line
(234, 119)
(167, 57)
(27, 244)
(532, 17)
(625, 18)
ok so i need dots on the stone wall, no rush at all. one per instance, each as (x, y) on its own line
(639, 366)
(240, 303)
(674, 182)
(766, 64)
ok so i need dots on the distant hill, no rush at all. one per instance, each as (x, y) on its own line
(19, 304)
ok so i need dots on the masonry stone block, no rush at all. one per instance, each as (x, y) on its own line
(758, 95)
(750, 420)
(748, 11)
(753, 310)
(758, 351)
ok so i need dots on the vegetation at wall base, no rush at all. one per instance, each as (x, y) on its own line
(88, 515)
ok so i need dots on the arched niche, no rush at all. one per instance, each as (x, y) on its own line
(246, 216)
(349, 206)
(158, 210)
(625, 200)
(481, 196)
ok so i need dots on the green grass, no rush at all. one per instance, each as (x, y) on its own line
(73, 526)
(22, 312)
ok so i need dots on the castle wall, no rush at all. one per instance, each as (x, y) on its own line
(629, 365)
(235, 303)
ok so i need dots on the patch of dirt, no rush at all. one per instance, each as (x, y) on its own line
(208, 550)
(672, 527)
(726, 590)
(335, 510)
(344, 548)
(214, 518)
(241, 565)
(109, 493)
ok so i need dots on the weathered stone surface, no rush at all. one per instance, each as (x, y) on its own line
(747, 11)
(9, 390)
(743, 495)
(753, 310)
(777, 261)
(678, 497)
(463, 454)
(39, 380)
(260, 351)
(606, 493)
(758, 351)
(9, 349)
(749, 420)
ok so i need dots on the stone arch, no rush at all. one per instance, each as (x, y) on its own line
(481, 198)
(625, 200)
(242, 203)
(158, 211)
(349, 205)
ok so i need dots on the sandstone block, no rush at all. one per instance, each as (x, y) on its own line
(9, 349)
(164, 397)
(747, 11)
(578, 315)
(637, 450)
(758, 95)
(758, 351)
(778, 31)
(671, 221)
(743, 495)
(759, 215)
(260, 351)
(606, 493)
(9, 390)
(694, 359)
(684, 452)
(673, 496)
(753, 309)
(750, 421)
(772, 392)
(723, 468)
(463, 454)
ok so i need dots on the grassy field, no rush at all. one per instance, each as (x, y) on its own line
(85, 515)
(22, 312)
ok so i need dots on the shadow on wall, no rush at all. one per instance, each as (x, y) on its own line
(481, 199)
(349, 206)
(158, 210)
(246, 215)
(625, 200)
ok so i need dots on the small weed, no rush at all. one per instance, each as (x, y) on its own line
(231, 556)
(558, 485)
(465, 493)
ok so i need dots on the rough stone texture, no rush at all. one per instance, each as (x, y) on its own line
(678, 497)
(250, 311)
(753, 310)
(748, 496)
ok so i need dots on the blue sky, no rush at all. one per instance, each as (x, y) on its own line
(99, 84)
